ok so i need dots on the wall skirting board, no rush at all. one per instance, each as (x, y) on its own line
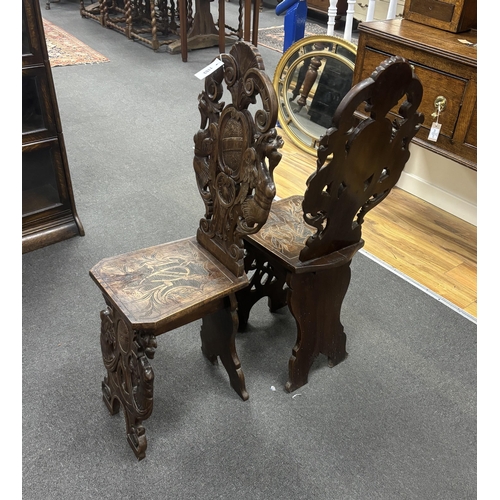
(442, 182)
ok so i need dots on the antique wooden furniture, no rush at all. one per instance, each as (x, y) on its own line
(152, 22)
(202, 32)
(154, 290)
(49, 212)
(302, 255)
(447, 68)
(174, 24)
(450, 15)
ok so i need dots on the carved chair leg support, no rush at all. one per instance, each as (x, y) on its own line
(129, 380)
(266, 280)
(319, 330)
(218, 332)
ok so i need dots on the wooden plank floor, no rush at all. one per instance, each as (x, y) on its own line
(431, 246)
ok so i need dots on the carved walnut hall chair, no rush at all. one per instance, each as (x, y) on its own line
(302, 255)
(154, 290)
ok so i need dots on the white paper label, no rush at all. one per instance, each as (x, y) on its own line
(215, 64)
(434, 132)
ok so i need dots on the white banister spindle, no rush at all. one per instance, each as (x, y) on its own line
(391, 11)
(348, 20)
(371, 10)
(332, 14)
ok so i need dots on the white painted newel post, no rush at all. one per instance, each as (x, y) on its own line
(332, 14)
(391, 11)
(371, 10)
(348, 20)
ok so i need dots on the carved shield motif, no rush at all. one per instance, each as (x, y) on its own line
(234, 137)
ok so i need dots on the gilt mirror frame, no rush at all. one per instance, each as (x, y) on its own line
(292, 116)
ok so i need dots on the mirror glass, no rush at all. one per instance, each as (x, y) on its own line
(311, 79)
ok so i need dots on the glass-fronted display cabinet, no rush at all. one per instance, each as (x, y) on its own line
(49, 212)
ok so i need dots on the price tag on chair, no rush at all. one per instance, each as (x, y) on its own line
(215, 64)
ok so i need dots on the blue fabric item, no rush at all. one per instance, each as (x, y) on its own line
(295, 20)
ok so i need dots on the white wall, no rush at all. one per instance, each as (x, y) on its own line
(441, 182)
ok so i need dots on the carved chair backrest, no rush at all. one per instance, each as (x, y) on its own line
(234, 150)
(360, 161)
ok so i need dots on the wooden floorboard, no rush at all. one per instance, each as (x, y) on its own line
(431, 246)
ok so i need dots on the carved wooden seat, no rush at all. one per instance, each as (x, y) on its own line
(302, 255)
(154, 290)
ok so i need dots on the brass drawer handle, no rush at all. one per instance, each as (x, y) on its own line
(439, 105)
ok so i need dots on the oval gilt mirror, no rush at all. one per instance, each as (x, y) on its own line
(311, 79)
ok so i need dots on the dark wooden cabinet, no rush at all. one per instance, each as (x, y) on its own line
(49, 212)
(447, 69)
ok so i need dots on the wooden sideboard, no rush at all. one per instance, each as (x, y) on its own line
(48, 207)
(446, 67)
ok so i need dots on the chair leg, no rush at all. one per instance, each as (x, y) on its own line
(218, 332)
(129, 379)
(315, 301)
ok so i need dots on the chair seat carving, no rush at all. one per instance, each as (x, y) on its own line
(301, 257)
(154, 290)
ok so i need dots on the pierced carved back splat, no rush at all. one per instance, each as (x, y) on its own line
(359, 162)
(234, 150)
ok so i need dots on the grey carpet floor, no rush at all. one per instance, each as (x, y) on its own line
(396, 420)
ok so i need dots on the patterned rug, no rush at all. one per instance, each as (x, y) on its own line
(273, 37)
(66, 50)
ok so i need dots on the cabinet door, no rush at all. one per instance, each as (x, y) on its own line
(43, 184)
(37, 116)
(31, 43)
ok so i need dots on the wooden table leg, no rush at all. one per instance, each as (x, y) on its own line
(222, 26)
(183, 29)
(255, 27)
(246, 23)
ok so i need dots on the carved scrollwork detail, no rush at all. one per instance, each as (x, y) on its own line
(255, 84)
(130, 377)
(234, 153)
(265, 280)
(108, 339)
(226, 189)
